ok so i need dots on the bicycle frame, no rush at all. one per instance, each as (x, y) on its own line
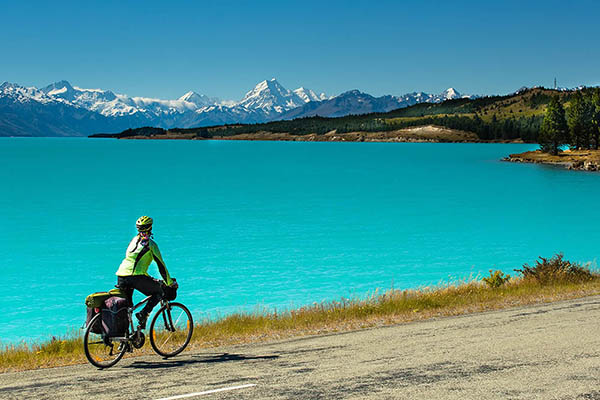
(168, 319)
(130, 311)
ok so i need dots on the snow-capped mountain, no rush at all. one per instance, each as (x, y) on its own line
(108, 103)
(273, 98)
(199, 100)
(61, 109)
(308, 95)
(357, 102)
(31, 112)
(450, 94)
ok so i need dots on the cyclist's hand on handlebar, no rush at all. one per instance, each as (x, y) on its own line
(174, 285)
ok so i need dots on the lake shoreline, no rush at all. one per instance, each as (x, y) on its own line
(580, 160)
(419, 134)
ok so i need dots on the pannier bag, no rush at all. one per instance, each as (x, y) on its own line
(114, 316)
(91, 313)
(117, 292)
(94, 303)
(96, 300)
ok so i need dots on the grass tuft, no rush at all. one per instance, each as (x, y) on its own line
(555, 269)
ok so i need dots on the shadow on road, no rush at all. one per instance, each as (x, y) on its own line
(198, 359)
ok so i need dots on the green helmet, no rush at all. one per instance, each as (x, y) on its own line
(144, 224)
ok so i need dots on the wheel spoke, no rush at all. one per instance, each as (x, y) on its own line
(173, 327)
(172, 337)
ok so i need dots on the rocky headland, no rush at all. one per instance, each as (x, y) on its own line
(583, 160)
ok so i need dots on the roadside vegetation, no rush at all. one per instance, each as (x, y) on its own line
(547, 280)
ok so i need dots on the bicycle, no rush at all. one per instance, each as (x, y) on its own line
(170, 332)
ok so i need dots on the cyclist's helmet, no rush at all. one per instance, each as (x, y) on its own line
(144, 224)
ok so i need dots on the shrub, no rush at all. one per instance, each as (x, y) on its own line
(555, 269)
(496, 279)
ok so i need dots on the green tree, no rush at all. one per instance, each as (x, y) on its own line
(579, 120)
(595, 111)
(554, 132)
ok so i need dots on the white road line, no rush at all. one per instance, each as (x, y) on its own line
(183, 396)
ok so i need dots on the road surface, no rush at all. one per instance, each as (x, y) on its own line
(548, 351)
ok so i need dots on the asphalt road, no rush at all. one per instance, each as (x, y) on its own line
(547, 351)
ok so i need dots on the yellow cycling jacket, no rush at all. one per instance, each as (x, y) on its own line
(138, 258)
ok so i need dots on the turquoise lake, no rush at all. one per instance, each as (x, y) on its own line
(252, 225)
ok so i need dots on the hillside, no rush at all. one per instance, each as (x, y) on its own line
(496, 118)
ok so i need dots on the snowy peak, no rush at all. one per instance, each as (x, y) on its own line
(86, 98)
(450, 94)
(199, 100)
(7, 85)
(270, 96)
(58, 87)
(308, 95)
(24, 94)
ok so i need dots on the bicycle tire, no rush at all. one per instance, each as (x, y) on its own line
(94, 346)
(179, 337)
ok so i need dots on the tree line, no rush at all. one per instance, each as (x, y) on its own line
(578, 126)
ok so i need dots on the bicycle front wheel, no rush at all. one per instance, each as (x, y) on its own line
(171, 329)
(101, 352)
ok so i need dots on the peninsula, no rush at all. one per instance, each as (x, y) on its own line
(427, 133)
(585, 160)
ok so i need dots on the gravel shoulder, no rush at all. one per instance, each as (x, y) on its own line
(547, 351)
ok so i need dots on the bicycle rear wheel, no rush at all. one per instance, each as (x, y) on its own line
(171, 329)
(100, 351)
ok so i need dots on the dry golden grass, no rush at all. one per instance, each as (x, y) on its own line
(392, 307)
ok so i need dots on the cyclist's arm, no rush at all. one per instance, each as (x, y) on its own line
(162, 268)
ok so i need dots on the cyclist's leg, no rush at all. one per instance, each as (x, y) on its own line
(127, 288)
(149, 287)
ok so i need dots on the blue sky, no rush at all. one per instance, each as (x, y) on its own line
(223, 48)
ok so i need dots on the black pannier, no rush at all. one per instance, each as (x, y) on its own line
(94, 303)
(114, 316)
(91, 313)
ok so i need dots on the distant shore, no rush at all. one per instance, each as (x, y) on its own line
(418, 134)
(583, 160)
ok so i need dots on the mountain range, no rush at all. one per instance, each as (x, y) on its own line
(61, 109)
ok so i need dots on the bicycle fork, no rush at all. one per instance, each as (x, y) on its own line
(168, 319)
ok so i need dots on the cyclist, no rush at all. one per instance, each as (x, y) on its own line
(133, 271)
